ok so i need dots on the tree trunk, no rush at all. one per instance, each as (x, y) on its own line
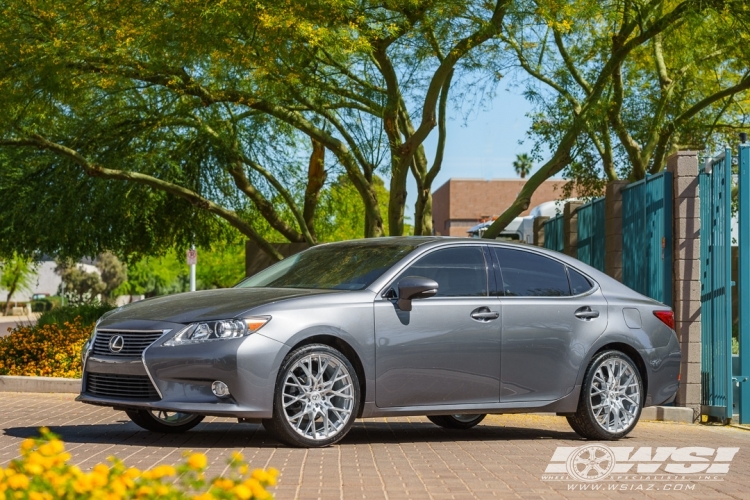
(316, 177)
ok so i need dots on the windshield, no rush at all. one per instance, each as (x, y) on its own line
(333, 267)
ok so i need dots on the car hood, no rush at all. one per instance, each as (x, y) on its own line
(205, 305)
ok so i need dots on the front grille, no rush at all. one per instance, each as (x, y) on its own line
(134, 343)
(121, 386)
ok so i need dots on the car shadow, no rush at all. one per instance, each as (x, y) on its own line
(233, 435)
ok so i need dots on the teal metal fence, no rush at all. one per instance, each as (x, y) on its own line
(591, 233)
(715, 185)
(647, 236)
(553, 233)
(743, 278)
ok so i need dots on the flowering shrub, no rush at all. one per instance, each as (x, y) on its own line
(43, 473)
(44, 351)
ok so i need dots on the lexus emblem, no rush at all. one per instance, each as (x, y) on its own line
(116, 343)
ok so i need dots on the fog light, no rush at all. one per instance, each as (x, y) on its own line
(220, 389)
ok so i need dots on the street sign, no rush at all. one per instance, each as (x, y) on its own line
(192, 257)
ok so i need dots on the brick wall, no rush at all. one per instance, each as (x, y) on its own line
(460, 204)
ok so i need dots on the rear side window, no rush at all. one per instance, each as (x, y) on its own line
(578, 282)
(459, 272)
(527, 274)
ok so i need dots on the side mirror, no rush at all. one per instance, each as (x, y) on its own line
(414, 287)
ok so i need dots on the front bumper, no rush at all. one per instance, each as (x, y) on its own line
(181, 376)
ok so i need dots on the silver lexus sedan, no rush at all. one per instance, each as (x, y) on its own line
(449, 328)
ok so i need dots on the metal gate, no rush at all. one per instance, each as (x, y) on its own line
(553, 233)
(715, 185)
(717, 380)
(647, 236)
(591, 233)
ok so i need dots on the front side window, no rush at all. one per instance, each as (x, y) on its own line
(528, 274)
(459, 271)
(343, 266)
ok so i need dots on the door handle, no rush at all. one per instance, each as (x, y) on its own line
(484, 314)
(585, 313)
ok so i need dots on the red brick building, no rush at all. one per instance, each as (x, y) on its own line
(460, 204)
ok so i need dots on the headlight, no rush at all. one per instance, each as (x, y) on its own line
(217, 330)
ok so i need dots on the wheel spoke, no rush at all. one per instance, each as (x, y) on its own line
(327, 399)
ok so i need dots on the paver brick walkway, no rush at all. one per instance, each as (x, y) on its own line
(397, 458)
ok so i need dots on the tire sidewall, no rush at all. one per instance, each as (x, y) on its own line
(282, 428)
(598, 360)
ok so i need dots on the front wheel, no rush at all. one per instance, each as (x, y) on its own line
(317, 398)
(611, 398)
(169, 422)
(458, 421)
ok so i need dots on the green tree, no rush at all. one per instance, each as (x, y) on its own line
(522, 165)
(113, 273)
(79, 285)
(604, 91)
(16, 274)
(209, 102)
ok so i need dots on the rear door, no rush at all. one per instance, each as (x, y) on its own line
(552, 314)
(446, 350)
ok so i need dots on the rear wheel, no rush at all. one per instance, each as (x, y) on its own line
(169, 422)
(458, 421)
(317, 398)
(611, 398)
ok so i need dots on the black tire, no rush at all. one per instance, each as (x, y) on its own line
(451, 422)
(279, 425)
(146, 420)
(584, 421)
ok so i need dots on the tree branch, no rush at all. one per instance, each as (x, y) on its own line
(192, 197)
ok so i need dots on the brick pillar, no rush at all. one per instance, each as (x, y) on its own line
(570, 228)
(613, 229)
(539, 230)
(686, 291)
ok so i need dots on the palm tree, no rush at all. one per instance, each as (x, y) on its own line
(522, 165)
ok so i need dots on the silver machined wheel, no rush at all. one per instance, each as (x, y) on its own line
(615, 395)
(318, 396)
(172, 417)
(465, 417)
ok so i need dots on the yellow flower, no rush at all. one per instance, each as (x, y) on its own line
(237, 456)
(242, 492)
(224, 484)
(161, 471)
(197, 461)
(27, 444)
(144, 491)
(132, 473)
(18, 482)
(204, 496)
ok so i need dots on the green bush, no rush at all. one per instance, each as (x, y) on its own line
(89, 313)
(41, 305)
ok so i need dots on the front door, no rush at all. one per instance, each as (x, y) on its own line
(446, 350)
(552, 314)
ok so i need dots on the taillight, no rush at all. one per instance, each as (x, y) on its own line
(666, 317)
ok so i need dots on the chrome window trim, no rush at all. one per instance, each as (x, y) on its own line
(551, 257)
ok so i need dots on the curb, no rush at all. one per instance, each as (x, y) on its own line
(9, 383)
(668, 414)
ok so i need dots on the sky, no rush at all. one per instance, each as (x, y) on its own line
(482, 145)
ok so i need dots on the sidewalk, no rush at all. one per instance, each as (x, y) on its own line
(13, 321)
